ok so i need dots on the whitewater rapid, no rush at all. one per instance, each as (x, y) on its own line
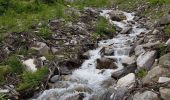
(87, 76)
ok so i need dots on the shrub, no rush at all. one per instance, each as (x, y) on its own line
(32, 79)
(15, 65)
(167, 30)
(4, 5)
(4, 70)
(103, 26)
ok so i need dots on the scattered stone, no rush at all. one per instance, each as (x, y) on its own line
(163, 79)
(41, 47)
(126, 81)
(128, 60)
(147, 95)
(165, 93)
(79, 96)
(154, 74)
(146, 60)
(117, 15)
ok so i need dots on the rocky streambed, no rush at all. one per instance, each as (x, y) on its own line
(109, 73)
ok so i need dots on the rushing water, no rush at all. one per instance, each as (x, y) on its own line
(87, 79)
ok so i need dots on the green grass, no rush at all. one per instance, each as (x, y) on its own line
(4, 70)
(103, 27)
(14, 63)
(141, 73)
(32, 79)
(91, 3)
(167, 30)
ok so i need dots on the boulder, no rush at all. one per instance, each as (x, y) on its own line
(126, 81)
(146, 60)
(139, 49)
(41, 47)
(106, 63)
(165, 93)
(128, 60)
(154, 74)
(163, 79)
(117, 15)
(164, 20)
(165, 60)
(147, 95)
(152, 45)
(126, 70)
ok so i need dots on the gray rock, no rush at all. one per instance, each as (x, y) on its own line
(139, 49)
(165, 93)
(146, 60)
(41, 47)
(55, 78)
(126, 30)
(117, 15)
(126, 81)
(154, 74)
(147, 95)
(163, 79)
(106, 63)
(128, 69)
(164, 20)
(165, 60)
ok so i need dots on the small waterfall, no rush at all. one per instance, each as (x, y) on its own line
(87, 79)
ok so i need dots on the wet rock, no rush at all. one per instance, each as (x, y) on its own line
(107, 83)
(41, 47)
(67, 66)
(117, 15)
(126, 30)
(59, 84)
(163, 79)
(55, 78)
(119, 93)
(165, 60)
(106, 63)
(126, 81)
(126, 70)
(154, 74)
(146, 60)
(147, 95)
(165, 93)
(79, 96)
(164, 20)
(139, 49)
